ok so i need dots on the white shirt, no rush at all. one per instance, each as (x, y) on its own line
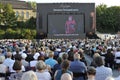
(11, 68)
(3, 68)
(33, 63)
(8, 62)
(103, 72)
(25, 63)
(43, 75)
(60, 54)
(117, 54)
(118, 78)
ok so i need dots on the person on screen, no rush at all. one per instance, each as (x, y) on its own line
(70, 25)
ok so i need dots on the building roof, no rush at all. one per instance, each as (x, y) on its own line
(16, 4)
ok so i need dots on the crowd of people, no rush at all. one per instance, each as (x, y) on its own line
(59, 59)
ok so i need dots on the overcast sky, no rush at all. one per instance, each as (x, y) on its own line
(97, 2)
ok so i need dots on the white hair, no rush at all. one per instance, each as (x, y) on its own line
(66, 76)
(30, 75)
(109, 78)
(2, 58)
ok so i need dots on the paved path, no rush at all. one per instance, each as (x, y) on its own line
(116, 73)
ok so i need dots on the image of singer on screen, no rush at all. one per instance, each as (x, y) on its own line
(70, 25)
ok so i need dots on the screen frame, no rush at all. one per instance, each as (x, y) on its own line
(66, 13)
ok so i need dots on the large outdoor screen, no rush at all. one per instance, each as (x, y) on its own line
(65, 24)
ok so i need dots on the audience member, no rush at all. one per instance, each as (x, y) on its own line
(24, 62)
(41, 73)
(91, 72)
(58, 65)
(64, 69)
(109, 78)
(50, 61)
(3, 68)
(66, 76)
(109, 59)
(8, 61)
(64, 56)
(102, 72)
(30, 75)
(78, 68)
(93, 62)
(18, 74)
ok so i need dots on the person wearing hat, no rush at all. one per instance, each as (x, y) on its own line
(24, 62)
(34, 62)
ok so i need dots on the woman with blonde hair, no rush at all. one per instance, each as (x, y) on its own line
(42, 73)
(30, 75)
(93, 62)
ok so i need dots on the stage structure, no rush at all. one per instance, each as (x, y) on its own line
(66, 20)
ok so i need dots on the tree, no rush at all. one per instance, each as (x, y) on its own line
(31, 23)
(100, 10)
(107, 18)
(8, 16)
(33, 5)
(1, 13)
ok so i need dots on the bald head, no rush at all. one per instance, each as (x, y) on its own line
(66, 76)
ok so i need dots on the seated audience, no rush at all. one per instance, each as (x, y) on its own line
(64, 69)
(109, 78)
(78, 68)
(93, 61)
(117, 78)
(91, 72)
(34, 62)
(24, 62)
(64, 56)
(109, 59)
(50, 61)
(17, 57)
(3, 68)
(66, 76)
(8, 61)
(102, 72)
(18, 74)
(58, 65)
(30, 75)
(42, 73)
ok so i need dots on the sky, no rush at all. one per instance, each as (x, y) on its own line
(97, 2)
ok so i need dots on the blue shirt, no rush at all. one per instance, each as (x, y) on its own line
(51, 62)
(59, 74)
(78, 67)
(56, 67)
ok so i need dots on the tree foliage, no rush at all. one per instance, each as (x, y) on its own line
(108, 18)
(7, 15)
(33, 5)
(31, 23)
